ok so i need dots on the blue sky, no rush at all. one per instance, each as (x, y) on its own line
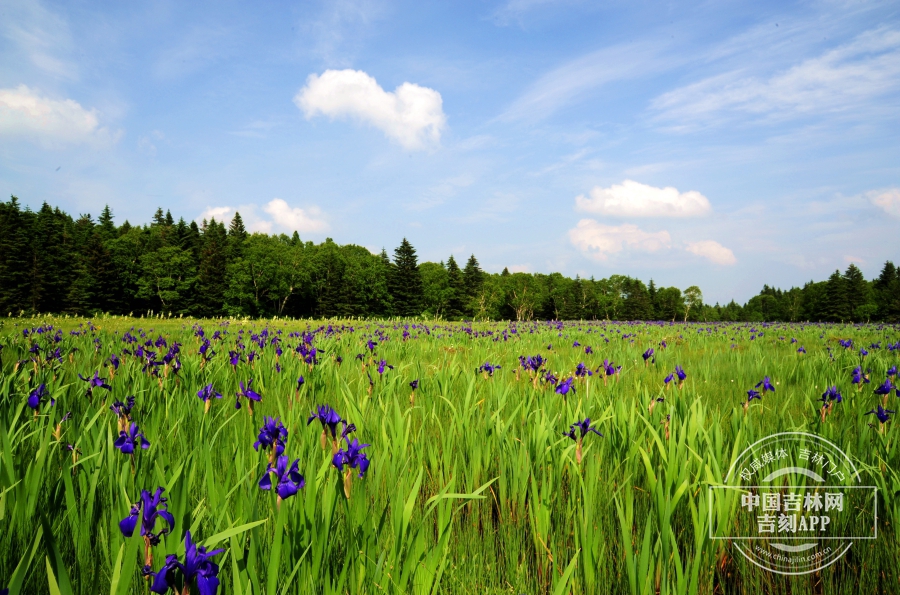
(723, 144)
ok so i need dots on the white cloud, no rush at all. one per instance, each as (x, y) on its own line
(575, 80)
(841, 80)
(295, 219)
(712, 251)
(889, 200)
(598, 241)
(284, 218)
(410, 114)
(218, 213)
(519, 268)
(633, 199)
(26, 114)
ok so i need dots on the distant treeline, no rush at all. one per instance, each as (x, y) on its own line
(52, 263)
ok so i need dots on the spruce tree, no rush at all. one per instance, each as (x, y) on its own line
(211, 271)
(406, 281)
(834, 306)
(456, 299)
(857, 290)
(15, 238)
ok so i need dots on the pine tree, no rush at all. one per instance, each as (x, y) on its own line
(15, 233)
(456, 299)
(237, 234)
(211, 283)
(834, 306)
(856, 289)
(887, 293)
(651, 290)
(406, 281)
(106, 225)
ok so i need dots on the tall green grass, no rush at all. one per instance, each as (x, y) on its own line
(472, 489)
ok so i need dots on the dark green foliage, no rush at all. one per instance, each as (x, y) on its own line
(50, 262)
(406, 281)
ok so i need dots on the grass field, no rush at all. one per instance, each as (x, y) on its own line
(472, 486)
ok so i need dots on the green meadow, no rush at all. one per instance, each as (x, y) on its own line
(472, 485)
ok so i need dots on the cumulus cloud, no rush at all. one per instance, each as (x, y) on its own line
(633, 199)
(24, 113)
(712, 251)
(411, 115)
(889, 200)
(295, 219)
(284, 218)
(598, 241)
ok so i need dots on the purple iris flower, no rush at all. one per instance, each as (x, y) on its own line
(95, 382)
(414, 384)
(329, 418)
(766, 385)
(382, 365)
(271, 434)
(300, 382)
(576, 344)
(881, 413)
(584, 426)
(114, 361)
(610, 368)
(197, 568)
(892, 371)
(884, 389)
(246, 392)
(128, 440)
(668, 379)
(234, 358)
(38, 395)
(371, 345)
(859, 377)
(150, 508)
(679, 371)
(208, 392)
(647, 354)
(753, 394)
(565, 386)
(352, 457)
(832, 394)
(123, 410)
(289, 479)
(582, 371)
(802, 349)
(588, 350)
(487, 368)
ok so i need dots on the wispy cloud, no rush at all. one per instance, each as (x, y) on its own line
(844, 80)
(40, 36)
(195, 50)
(575, 80)
(339, 28)
(441, 192)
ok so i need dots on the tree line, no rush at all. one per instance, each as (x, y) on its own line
(51, 262)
